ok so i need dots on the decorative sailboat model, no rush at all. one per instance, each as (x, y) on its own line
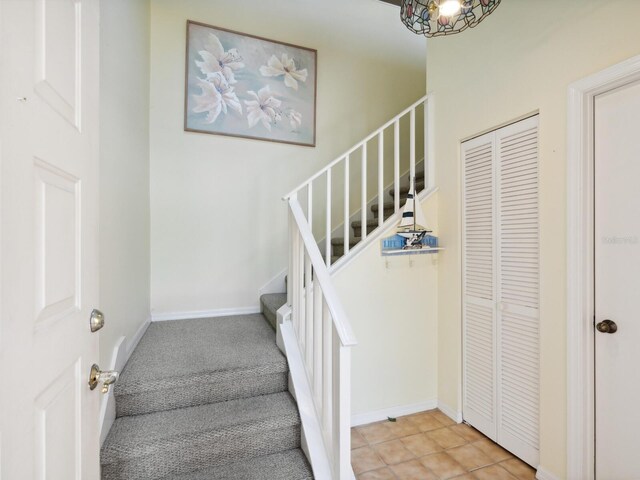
(413, 224)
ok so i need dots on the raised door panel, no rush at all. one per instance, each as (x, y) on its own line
(479, 378)
(58, 428)
(57, 241)
(57, 55)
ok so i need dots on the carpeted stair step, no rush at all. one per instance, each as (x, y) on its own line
(337, 245)
(356, 225)
(289, 465)
(193, 362)
(168, 443)
(388, 209)
(404, 190)
(269, 305)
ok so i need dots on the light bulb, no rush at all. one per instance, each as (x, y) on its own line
(449, 8)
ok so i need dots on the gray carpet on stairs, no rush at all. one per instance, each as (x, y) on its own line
(194, 362)
(178, 441)
(205, 399)
(289, 465)
(270, 303)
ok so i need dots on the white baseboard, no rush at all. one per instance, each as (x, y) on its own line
(450, 412)
(133, 341)
(394, 412)
(108, 402)
(275, 285)
(121, 353)
(221, 312)
(543, 474)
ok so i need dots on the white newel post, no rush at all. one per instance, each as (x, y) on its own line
(342, 408)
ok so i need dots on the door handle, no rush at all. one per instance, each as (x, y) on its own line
(607, 326)
(107, 378)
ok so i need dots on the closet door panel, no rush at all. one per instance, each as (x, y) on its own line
(518, 360)
(479, 285)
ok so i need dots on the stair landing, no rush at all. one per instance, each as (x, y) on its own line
(270, 303)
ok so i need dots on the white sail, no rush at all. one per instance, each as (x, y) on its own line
(412, 216)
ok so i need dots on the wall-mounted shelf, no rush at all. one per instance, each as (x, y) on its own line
(420, 251)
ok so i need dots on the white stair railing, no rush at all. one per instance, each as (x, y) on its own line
(342, 163)
(324, 338)
(316, 333)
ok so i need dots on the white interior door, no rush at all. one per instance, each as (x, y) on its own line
(617, 283)
(48, 153)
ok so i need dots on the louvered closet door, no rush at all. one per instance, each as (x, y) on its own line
(518, 289)
(479, 285)
(501, 287)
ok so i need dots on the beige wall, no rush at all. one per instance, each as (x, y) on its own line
(218, 222)
(392, 304)
(519, 60)
(124, 170)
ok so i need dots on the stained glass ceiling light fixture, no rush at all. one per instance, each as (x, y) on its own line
(434, 18)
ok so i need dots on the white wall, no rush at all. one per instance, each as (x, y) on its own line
(124, 170)
(392, 304)
(520, 59)
(218, 226)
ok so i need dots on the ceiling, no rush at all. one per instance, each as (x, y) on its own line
(369, 29)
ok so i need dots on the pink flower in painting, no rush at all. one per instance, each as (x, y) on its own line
(217, 97)
(285, 66)
(216, 60)
(264, 109)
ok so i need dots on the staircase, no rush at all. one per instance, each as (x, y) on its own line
(208, 398)
(270, 303)
(337, 243)
(205, 399)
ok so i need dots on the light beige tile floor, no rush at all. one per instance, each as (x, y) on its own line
(430, 446)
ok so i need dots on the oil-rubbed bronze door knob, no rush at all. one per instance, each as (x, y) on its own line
(607, 326)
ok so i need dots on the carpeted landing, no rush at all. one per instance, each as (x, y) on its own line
(269, 304)
(205, 399)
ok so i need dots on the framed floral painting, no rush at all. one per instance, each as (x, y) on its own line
(246, 86)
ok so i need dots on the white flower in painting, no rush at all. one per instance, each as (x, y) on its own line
(217, 96)
(216, 60)
(287, 67)
(295, 118)
(265, 108)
